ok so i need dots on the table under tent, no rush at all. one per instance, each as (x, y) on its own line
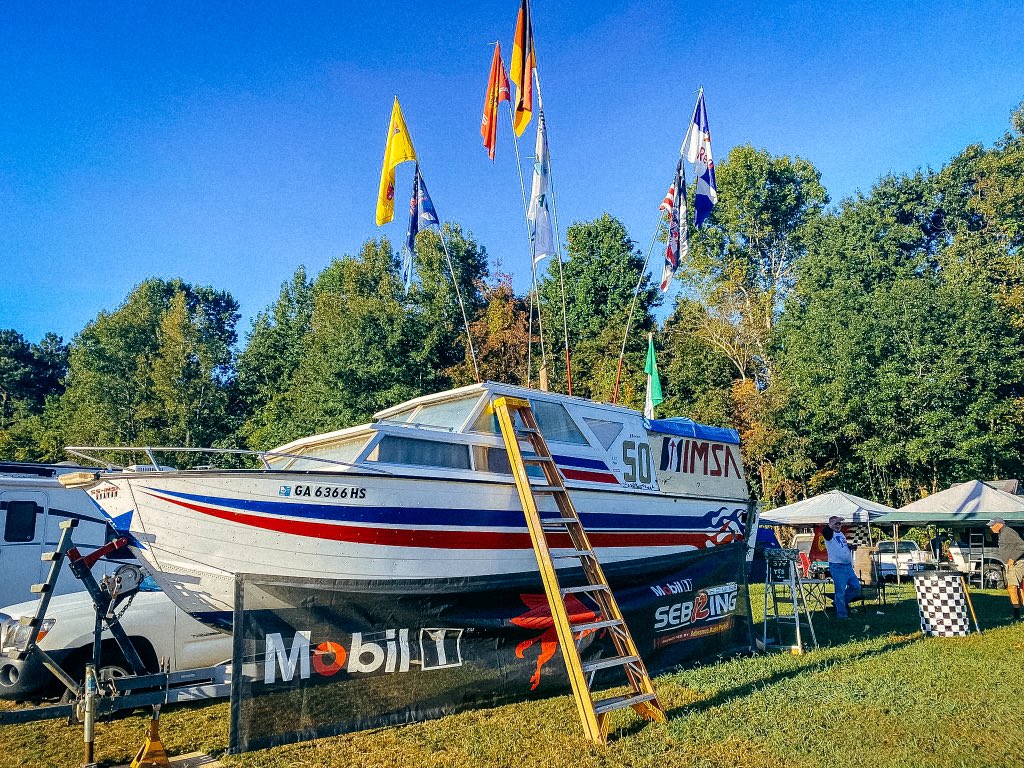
(810, 515)
(966, 509)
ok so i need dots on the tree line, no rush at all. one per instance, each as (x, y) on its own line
(876, 345)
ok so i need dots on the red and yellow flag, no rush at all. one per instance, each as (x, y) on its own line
(497, 92)
(521, 69)
(397, 150)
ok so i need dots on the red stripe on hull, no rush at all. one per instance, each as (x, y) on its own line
(398, 537)
(593, 477)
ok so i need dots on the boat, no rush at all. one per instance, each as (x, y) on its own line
(424, 493)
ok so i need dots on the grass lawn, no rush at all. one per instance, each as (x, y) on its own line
(875, 694)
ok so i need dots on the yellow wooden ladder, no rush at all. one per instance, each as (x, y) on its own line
(641, 696)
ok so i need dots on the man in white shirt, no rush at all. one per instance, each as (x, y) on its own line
(840, 566)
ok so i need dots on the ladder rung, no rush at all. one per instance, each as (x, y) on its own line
(597, 625)
(28, 621)
(558, 523)
(621, 702)
(614, 661)
(40, 588)
(50, 557)
(585, 588)
(537, 460)
(580, 553)
(548, 488)
(523, 431)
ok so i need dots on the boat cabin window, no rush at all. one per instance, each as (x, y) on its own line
(552, 418)
(605, 431)
(495, 460)
(421, 453)
(345, 451)
(20, 525)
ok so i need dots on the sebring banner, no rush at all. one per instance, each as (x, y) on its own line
(316, 658)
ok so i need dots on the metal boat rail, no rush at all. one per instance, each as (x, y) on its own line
(86, 452)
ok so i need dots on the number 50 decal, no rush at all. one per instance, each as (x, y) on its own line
(637, 458)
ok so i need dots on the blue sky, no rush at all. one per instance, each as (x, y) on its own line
(227, 143)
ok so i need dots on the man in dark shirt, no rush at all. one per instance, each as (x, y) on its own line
(1011, 552)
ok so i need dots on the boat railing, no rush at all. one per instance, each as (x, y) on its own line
(88, 452)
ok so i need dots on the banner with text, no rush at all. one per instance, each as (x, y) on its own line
(319, 657)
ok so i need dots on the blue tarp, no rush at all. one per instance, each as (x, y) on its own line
(689, 428)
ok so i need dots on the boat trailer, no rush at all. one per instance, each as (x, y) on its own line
(93, 698)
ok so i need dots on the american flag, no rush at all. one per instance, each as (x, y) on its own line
(670, 196)
(678, 246)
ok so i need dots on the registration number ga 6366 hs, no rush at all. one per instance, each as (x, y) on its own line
(323, 491)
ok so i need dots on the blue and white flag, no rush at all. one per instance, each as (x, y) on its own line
(697, 148)
(539, 215)
(421, 214)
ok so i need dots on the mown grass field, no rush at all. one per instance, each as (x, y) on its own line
(875, 694)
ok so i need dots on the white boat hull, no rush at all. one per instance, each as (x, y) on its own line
(197, 530)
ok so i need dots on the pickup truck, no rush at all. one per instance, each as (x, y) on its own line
(906, 559)
(160, 631)
(992, 568)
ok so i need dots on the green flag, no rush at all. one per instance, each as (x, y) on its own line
(654, 396)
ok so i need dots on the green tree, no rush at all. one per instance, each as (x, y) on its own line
(500, 335)
(742, 263)
(433, 301)
(152, 371)
(601, 273)
(275, 348)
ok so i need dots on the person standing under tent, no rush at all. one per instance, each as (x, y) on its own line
(840, 565)
(1011, 552)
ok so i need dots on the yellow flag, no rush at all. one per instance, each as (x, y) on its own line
(524, 60)
(397, 150)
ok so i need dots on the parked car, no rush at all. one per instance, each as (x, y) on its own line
(905, 559)
(160, 631)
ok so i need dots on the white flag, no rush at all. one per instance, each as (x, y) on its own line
(539, 215)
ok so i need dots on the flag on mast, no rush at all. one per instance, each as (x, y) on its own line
(697, 147)
(521, 69)
(654, 396)
(678, 246)
(539, 214)
(497, 92)
(421, 215)
(397, 150)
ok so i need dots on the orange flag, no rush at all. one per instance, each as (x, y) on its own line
(497, 92)
(521, 68)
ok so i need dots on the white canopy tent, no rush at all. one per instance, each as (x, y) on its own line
(967, 504)
(818, 509)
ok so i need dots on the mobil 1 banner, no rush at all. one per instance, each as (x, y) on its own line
(319, 657)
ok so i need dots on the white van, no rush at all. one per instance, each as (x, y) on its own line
(32, 505)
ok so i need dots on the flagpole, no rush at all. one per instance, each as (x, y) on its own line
(554, 213)
(451, 270)
(535, 291)
(632, 308)
(636, 292)
(458, 293)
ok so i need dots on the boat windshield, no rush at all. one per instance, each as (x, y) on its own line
(343, 450)
(552, 418)
(449, 415)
